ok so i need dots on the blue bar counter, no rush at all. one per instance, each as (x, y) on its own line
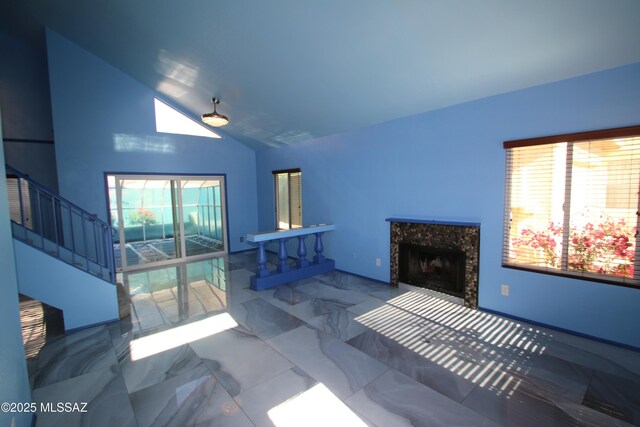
(284, 273)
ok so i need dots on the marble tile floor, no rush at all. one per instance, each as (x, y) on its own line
(337, 350)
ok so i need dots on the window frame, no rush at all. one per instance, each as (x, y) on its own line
(289, 172)
(563, 271)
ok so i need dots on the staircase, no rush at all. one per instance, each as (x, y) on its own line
(64, 255)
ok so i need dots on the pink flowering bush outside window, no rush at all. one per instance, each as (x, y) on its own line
(604, 248)
(548, 241)
(142, 216)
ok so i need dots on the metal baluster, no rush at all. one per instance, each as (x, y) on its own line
(21, 203)
(73, 238)
(55, 226)
(40, 223)
(22, 219)
(103, 252)
(109, 246)
(104, 246)
(95, 238)
(84, 240)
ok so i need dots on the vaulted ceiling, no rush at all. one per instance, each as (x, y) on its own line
(288, 71)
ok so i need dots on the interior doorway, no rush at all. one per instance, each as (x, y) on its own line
(161, 219)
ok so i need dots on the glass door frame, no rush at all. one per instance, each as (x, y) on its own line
(178, 178)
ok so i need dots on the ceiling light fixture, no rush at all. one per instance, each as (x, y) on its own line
(214, 119)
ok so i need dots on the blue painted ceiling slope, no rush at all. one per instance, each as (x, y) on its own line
(288, 71)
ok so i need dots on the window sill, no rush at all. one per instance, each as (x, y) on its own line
(590, 277)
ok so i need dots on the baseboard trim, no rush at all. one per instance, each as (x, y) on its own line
(559, 329)
(93, 325)
(382, 282)
(242, 251)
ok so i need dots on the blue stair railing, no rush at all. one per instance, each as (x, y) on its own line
(47, 221)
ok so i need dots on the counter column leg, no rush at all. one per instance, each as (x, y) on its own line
(318, 257)
(262, 270)
(282, 256)
(302, 253)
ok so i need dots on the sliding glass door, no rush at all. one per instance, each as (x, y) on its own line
(202, 208)
(160, 219)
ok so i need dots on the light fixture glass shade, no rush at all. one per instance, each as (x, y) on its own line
(214, 119)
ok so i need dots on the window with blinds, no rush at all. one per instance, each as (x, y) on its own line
(288, 198)
(571, 205)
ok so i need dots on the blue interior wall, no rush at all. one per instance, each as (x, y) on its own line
(24, 92)
(24, 97)
(38, 160)
(14, 386)
(104, 122)
(85, 300)
(449, 164)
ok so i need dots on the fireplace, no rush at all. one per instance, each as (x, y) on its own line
(438, 269)
(440, 255)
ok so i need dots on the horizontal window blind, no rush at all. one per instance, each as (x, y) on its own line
(572, 208)
(536, 184)
(281, 191)
(288, 198)
(295, 199)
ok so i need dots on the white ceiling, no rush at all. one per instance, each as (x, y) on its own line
(287, 71)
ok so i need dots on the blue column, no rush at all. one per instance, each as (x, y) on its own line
(262, 270)
(318, 258)
(302, 253)
(282, 256)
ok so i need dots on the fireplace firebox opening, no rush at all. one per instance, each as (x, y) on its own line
(438, 269)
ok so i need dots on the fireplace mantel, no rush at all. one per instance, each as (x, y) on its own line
(433, 221)
(451, 235)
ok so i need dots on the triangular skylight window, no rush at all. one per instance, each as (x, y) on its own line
(170, 120)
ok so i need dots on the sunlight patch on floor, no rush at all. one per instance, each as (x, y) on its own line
(475, 345)
(157, 343)
(314, 407)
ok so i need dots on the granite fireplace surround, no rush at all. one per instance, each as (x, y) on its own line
(456, 236)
